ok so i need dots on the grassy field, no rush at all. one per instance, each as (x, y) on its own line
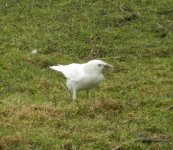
(136, 98)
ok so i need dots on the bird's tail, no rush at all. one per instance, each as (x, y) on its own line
(57, 68)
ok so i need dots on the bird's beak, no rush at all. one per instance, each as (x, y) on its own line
(108, 66)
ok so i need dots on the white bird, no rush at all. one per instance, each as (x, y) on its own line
(82, 76)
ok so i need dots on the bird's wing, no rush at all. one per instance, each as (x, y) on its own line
(72, 72)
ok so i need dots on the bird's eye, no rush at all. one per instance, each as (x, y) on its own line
(99, 65)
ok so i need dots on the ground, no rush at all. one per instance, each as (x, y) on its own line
(135, 99)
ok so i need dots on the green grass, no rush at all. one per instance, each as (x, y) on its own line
(136, 97)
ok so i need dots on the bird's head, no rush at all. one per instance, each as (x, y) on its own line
(97, 65)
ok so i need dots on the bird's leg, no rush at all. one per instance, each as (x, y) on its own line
(87, 92)
(74, 94)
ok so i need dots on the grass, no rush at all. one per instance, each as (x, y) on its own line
(135, 98)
